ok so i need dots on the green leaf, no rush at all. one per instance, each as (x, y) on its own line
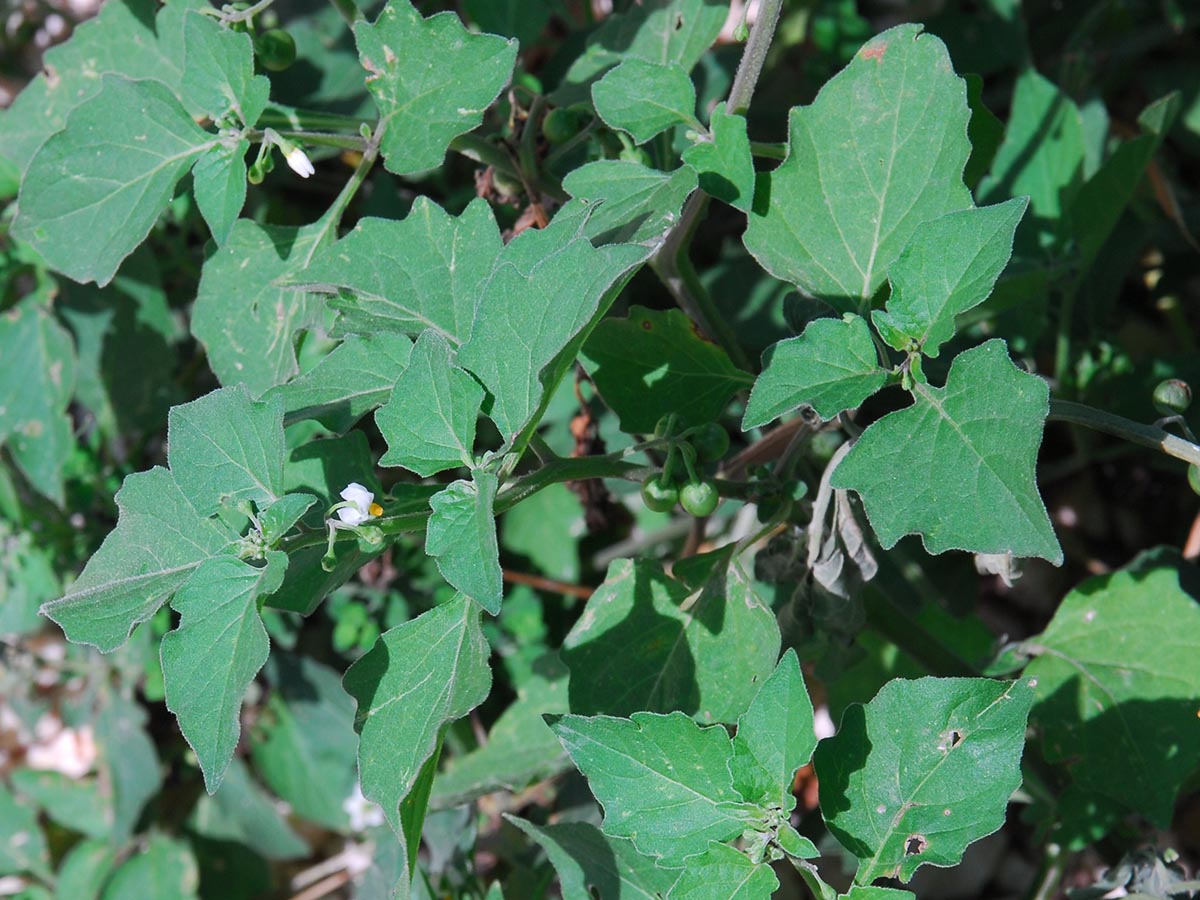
(980, 434)
(461, 536)
(418, 677)
(356, 377)
(833, 366)
(985, 132)
(426, 271)
(164, 869)
(880, 151)
(723, 873)
(664, 781)
(723, 161)
(666, 32)
(1102, 201)
(37, 381)
(548, 287)
(648, 642)
(626, 201)
(789, 840)
(860, 892)
(546, 528)
(124, 338)
(278, 518)
(653, 363)
(94, 190)
(594, 866)
(77, 804)
(431, 79)
(29, 577)
(214, 654)
(242, 811)
(157, 544)
(520, 748)
(244, 316)
(521, 19)
(125, 37)
(218, 70)
(304, 743)
(923, 770)
(85, 868)
(219, 183)
(1116, 676)
(22, 845)
(429, 423)
(949, 266)
(775, 734)
(127, 760)
(226, 448)
(645, 98)
(1042, 155)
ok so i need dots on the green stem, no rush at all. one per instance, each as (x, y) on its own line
(765, 150)
(1062, 342)
(326, 139)
(1054, 865)
(280, 117)
(754, 57)
(334, 214)
(671, 263)
(570, 144)
(1135, 432)
(229, 16)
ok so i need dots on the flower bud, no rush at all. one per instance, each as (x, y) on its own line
(299, 162)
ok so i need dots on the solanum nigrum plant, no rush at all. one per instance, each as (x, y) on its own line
(447, 314)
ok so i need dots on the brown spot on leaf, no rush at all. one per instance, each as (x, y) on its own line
(875, 53)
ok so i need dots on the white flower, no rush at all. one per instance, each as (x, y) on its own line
(362, 505)
(298, 161)
(362, 812)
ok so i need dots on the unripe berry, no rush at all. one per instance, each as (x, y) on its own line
(1172, 397)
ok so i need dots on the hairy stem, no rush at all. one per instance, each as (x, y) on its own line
(1135, 432)
(671, 262)
(754, 56)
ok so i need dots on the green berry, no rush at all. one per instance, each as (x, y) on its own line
(1172, 397)
(1194, 477)
(711, 442)
(659, 495)
(699, 498)
(276, 49)
(560, 125)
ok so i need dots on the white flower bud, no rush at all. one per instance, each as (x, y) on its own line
(298, 161)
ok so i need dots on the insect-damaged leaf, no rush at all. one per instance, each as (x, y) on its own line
(922, 771)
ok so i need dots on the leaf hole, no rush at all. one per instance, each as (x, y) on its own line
(950, 739)
(678, 21)
(915, 844)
